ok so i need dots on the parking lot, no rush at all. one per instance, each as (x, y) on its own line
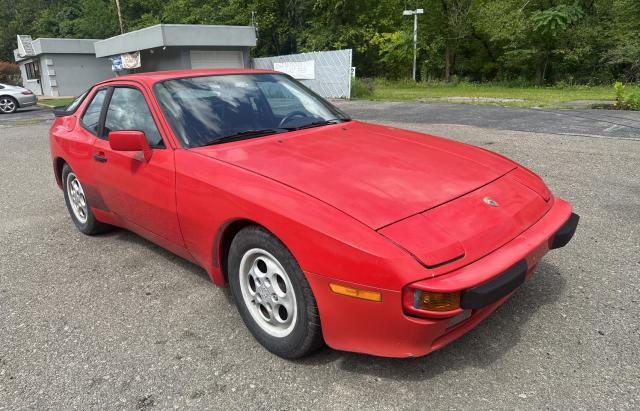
(114, 321)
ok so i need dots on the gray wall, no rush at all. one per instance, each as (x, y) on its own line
(178, 58)
(66, 74)
(332, 70)
(74, 73)
(172, 58)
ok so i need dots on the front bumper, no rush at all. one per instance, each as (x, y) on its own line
(382, 328)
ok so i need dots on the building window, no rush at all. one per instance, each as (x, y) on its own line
(33, 70)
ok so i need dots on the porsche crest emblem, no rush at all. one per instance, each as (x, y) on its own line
(490, 201)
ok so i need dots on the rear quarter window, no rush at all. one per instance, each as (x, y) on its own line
(91, 117)
(73, 106)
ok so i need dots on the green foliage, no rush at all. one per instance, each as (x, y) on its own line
(555, 20)
(523, 41)
(361, 88)
(396, 52)
(9, 73)
(619, 87)
(511, 93)
(626, 100)
(632, 102)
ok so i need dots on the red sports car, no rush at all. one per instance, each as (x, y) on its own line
(328, 230)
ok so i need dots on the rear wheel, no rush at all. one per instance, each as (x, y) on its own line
(8, 105)
(272, 294)
(77, 204)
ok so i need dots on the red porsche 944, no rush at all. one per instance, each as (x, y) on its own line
(327, 230)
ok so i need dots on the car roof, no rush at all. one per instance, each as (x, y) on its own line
(153, 77)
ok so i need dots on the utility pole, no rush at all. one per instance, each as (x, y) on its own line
(414, 13)
(254, 22)
(119, 16)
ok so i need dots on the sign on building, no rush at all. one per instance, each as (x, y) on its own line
(328, 73)
(125, 61)
(299, 70)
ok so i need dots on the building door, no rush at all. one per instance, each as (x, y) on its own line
(201, 59)
(32, 80)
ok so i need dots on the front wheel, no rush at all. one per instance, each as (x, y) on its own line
(77, 204)
(272, 295)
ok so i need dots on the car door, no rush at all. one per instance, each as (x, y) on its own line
(77, 145)
(140, 192)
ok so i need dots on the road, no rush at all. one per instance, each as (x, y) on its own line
(588, 123)
(115, 322)
(26, 116)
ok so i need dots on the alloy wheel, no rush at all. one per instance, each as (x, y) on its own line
(268, 293)
(77, 198)
(7, 105)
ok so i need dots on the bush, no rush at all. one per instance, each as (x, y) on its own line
(624, 100)
(9, 73)
(361, 88)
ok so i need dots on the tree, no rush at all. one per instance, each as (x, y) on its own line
(541, 41)
(396, 53)
(548, 27)
(624, 54)
(456, 21)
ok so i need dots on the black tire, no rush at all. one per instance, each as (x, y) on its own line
(306, 335)
(15, 105)
(89, 227)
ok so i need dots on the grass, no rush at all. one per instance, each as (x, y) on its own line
(55, 102)
(489, 93)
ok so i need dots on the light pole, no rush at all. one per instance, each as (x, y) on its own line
(119, 16)
(414, 13)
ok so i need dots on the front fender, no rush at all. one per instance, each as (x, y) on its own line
(324, 240)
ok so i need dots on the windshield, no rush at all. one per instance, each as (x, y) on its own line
(214, 109)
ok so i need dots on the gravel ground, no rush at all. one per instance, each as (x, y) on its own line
(115, 322)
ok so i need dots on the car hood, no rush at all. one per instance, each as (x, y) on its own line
(376, 174)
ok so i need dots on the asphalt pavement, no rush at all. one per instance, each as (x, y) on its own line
(26, 116)
(588, 123)
(115, 322)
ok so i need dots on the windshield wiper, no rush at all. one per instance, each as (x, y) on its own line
(243, 135)
(319, 123)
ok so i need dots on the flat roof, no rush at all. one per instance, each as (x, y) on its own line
(172, 35)
(58, 46)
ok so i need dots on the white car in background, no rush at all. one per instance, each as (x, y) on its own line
(15, 97)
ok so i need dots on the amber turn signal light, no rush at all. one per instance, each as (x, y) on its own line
(425, 300)
(356, 293)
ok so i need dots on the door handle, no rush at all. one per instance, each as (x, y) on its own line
(100, 157)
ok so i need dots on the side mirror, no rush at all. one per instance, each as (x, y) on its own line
(130, 141)
(60, 111)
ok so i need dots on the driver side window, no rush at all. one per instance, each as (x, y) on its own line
(128, 110)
